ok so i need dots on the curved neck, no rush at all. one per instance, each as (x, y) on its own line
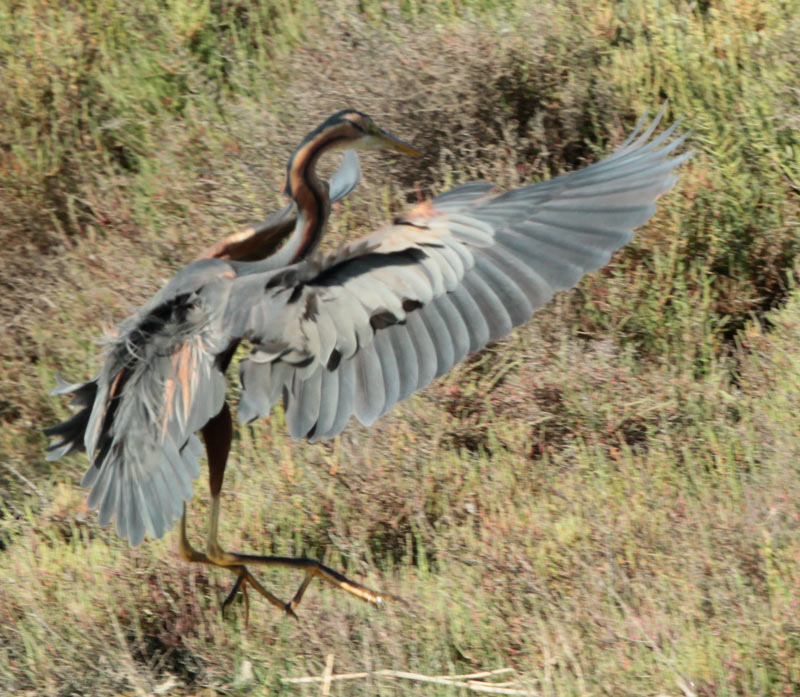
(313, 208)
(309, 193)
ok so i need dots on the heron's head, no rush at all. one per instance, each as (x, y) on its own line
(351, 129)
(360, 132)
(345, 130)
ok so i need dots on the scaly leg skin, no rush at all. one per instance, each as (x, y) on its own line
(244, 577)
(216, 555)
(218, 434)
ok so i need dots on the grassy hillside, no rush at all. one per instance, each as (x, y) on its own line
(606, 502)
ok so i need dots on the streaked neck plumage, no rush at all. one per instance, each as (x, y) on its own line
(310, 194)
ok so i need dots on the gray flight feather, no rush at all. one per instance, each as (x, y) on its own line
(394, 310)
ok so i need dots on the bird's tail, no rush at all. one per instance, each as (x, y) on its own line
(69, 434)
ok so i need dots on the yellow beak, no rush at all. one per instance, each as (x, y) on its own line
(386, 141)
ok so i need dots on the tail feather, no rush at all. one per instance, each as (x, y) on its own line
(70, 433)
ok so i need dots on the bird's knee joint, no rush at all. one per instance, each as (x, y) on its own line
(219, 556)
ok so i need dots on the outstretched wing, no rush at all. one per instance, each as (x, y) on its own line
(161, 381)
(262, 239)
(364, 328)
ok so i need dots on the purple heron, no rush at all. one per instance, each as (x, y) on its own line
(353, 332)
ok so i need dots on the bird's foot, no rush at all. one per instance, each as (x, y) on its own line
(312, 568)
(245, 578)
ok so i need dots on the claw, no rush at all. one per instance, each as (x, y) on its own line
(216, 556)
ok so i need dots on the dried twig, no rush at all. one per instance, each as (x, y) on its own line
(467, 681)
(475, 676)
(23, 479)
(326, 676)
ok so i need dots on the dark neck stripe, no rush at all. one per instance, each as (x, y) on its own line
(314, 213)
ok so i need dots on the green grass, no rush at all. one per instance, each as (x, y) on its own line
(606, 501)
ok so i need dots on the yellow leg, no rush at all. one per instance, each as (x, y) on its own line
(244, 577)
(312, 568)
(185, 548)
(218, 434)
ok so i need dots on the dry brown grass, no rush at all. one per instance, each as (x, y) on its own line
(606, 501)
